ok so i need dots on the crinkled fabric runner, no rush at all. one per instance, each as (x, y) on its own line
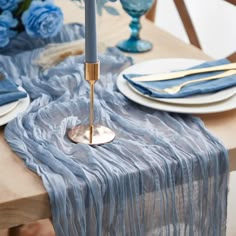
(164, 174)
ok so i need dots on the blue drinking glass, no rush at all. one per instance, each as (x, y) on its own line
(135, 8)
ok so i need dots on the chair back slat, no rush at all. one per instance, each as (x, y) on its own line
(232, 57)
(151, 15)
(185, 17)
(231, 1)
(187, 22)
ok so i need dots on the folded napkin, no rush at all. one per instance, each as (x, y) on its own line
(189, 90)
(9, 92)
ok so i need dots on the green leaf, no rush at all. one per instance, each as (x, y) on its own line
(23, 6)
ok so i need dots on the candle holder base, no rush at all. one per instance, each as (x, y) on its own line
(91, 135)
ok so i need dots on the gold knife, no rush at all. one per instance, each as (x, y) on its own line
(179, 74)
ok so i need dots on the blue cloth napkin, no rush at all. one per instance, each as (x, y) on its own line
(9, 92)
(192, 89)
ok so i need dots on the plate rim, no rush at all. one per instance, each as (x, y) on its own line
(20, 107)
(13, 105)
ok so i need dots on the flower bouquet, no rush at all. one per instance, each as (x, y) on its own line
(38, 18)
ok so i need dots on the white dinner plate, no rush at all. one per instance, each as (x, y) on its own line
(196, 99)
(20, 107)
(165, 65)
(178, 64)
(4, 109)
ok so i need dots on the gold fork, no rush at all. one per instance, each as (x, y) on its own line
(175, 89)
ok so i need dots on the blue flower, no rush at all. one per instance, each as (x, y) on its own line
(6, 23)
(9, 4)
(42, 19)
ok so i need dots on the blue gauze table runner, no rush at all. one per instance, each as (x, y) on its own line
(164, 174)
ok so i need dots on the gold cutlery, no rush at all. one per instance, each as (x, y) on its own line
(179, 74)
(175, 89)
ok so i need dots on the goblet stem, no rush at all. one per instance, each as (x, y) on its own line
(135, 44)
(135, 27)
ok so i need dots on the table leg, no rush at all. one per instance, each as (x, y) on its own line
(14, 231)
(38, 228)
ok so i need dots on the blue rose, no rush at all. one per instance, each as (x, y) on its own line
(42, 19)
(6, 23)
(9, 4)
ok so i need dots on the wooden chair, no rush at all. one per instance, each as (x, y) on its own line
(187, 22)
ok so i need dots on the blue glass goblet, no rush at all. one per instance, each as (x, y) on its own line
(135, 8)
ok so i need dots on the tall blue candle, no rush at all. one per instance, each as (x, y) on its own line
(90, 32)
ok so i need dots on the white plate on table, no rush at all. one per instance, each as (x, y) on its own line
(4, 109)
(20, 107)
(178, 64)
(208, 103)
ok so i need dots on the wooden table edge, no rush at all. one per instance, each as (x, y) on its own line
(10, 212)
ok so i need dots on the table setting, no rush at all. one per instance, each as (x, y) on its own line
(162, 173)
(216, 95)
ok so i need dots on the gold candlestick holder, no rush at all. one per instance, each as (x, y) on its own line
(92, 134)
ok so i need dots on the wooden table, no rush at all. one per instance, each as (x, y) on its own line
(23, 198)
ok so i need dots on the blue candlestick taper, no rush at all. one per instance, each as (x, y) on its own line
(91, 134)
(90, 32)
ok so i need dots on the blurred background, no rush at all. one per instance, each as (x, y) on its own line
(214, 22)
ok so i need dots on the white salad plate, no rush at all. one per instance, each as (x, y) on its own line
(21, 106)
(4, 109)
(200, 104)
